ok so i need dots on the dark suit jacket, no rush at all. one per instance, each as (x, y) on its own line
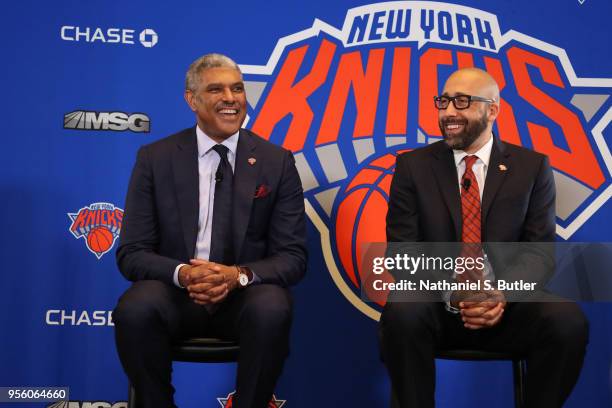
(518, 203)
(160, 224)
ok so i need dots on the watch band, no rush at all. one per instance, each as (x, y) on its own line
(247, 271)
(245, 276)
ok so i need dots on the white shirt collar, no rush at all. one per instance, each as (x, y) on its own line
(205, 143)
(484, 153)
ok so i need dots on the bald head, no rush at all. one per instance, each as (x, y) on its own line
(472, 81)
(470, 126)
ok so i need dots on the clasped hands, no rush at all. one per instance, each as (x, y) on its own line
(479, 309)
(208, 282)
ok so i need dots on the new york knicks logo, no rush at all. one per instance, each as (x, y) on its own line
(347, 100)
(228, 401)
(99, 225)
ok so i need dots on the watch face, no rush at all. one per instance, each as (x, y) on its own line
(244, 280)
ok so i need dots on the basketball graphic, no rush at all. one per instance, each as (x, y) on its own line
(99, 240)
(360, 220)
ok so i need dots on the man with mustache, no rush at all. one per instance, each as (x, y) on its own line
(212, 237)
(472, 188)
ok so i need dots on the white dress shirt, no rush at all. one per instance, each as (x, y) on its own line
(208, 161)
(480, 168)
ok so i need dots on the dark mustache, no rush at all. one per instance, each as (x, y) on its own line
(453, 122)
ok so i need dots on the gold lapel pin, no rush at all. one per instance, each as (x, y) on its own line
(503, 167)
(252, 160)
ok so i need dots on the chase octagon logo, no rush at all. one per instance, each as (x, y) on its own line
(346, 101)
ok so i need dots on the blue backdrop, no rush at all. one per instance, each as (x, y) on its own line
(85, 84)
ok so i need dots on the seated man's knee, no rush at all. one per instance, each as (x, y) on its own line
(268, 309)
(566, 323)
(140, 304)
(406, 317)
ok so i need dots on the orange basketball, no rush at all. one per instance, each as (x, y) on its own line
(99, 239)
(361, 219)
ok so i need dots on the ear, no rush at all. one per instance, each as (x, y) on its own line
(190, 98)
(493, 111)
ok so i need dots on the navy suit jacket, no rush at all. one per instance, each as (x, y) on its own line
(160, 223)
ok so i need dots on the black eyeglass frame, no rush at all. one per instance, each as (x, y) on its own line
(453, 99)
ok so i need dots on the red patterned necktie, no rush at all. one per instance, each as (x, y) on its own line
(470, 203)
(470, 211)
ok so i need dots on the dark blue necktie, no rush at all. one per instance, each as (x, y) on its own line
(221, 248)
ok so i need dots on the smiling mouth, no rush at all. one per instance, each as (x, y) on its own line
(228, 112)
(453, 126)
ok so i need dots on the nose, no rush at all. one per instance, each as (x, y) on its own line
(228, 95)
(450, 110)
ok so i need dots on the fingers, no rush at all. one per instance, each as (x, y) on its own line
(496, 319)
(204, 262)
(212, 296)
(481, 323)
(198, 273)
(208, 294)
(474, 311)
(203, 267)
(481, 307)
(494, 312)
(473, 299)
(213, 278)
(496, 296)
(207, 283)
(216, 291)
(215, 267)
(475, 323)
(200, 288)
(486, 298)
(488, 318)
(220, 297)
(213, 281)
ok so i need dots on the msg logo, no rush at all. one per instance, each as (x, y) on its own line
(111, 121)
(88, 404)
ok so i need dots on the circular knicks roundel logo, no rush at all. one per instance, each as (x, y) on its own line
(346, 100)
(99, 224)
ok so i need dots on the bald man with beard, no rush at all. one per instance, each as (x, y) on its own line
(513, 200)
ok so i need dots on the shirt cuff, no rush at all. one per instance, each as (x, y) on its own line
(175, 278)
(256, 279)
(446, 296)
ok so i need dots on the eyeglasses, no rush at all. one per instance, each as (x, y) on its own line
(460, 101)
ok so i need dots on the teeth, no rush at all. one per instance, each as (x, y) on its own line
(452, 126)
(229, 111)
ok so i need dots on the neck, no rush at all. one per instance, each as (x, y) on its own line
(218, 138)
(478, 143)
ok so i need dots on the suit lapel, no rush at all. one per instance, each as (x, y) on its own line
(186, 181)
(245, 177)
(496, 174)
(445, 171)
